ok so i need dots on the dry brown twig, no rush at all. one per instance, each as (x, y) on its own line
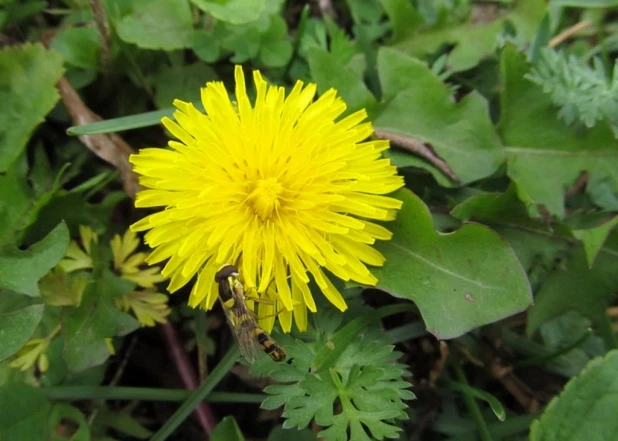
(569, 32)
(419, 148)
(109, 147)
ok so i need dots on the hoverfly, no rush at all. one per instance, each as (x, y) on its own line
(251, 338)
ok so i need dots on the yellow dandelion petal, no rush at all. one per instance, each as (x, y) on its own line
(281, 186)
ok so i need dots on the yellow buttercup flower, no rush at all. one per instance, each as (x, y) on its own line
(78, 257)
(281, 187)
(127, 262)
(148, 306)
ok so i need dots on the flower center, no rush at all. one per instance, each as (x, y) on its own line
(264, 198)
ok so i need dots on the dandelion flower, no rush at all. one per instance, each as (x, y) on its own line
(282, 187)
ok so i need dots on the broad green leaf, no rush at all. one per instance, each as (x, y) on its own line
(536, 141)
(28, 76)
(206, 46)
(17, 327)
(227, 430)
(23, 413)
(85, 328)
(594, 238)
(419, 106)
(405, 20)
(164, 24)
(181, 82)
(21, 270)
(533, 241)
(586, 409)
(233, 11)
(450, 277)
(575, 286)
(474, 41)
(80, 47)
(327, 72)
(275, 48)
(16, 196)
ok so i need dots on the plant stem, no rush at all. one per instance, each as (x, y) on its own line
(198, 395)
(75, 393)
(473, 406)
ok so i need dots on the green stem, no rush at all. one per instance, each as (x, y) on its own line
(473, 406)
(75, 393)
(198, 395)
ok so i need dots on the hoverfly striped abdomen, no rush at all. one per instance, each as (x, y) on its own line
(243, 324)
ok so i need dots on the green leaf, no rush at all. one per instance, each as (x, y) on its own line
(534, 242)
(232, 11)
(23, 413)
(227, 430)
(448, 276)
(585, 3)
(86, 327)
(181, 82)
(21, 270)
(365, 383)
(594, 238)
(419, 106)
(536, 141)
(405, 20)
(327, 72)
(138, 121)
(496, 406)
(281, 434)
(80, 47)
(575, 286)
(586, 409)
(28, 76)
(206, 46)
(164, 24)
(473, 41)
(17, 327)
(64, 414)
(275, 48)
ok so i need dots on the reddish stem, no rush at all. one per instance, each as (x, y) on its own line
(188, 376)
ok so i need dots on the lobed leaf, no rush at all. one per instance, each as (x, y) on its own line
(459, 281)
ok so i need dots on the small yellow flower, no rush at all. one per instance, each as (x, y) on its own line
(76, 257)
(34, 352)
(127, 262)
(281, 187)
(148, 306)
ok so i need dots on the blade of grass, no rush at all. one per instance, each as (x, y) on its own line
(123, 123)
(493, 402)
(198, 395)
(473, 406)
(75, 393)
